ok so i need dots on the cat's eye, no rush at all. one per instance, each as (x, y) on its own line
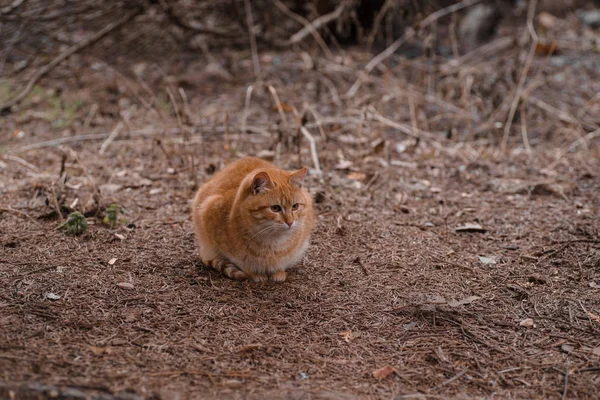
(295, 206)
(276, 208)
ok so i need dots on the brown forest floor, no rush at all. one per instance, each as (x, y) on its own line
(388, 281)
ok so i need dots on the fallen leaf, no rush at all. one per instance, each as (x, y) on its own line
(98, 351)
(343, 164)
(156, 190)
(594, 285)
(284, 107)
(593, 316)
(52, 296)
(487, 260)
(547, 20)
(409, 326)
(537, 278)
(436, 299)
(125, 285)
(527, 323)
(268, 155)
(357, 176)
(250, 347)
(544, 49)
(112, 261)
(109, 188)
(119, 236)
(347, 336)
(596, 351)
(384, 372)
(468, 227)
(468, 300)
(567, 348)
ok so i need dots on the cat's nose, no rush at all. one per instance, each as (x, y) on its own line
(289, 223)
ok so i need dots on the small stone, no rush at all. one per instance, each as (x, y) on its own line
(303, 375)
(125, 285)
(468, 227)
(527, 323)
(110, 188)
(590, 18)
(52, 296)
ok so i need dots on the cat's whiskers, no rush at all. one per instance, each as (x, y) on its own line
(263, 232)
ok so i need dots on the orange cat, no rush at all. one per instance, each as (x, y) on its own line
(253, 220)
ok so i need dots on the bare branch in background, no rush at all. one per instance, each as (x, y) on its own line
(68, 53)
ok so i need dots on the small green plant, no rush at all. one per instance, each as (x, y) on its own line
(63, 113)
(76, 224)
(112, 215)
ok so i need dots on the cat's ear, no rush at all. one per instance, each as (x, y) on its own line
(297, 177)
(261, 183)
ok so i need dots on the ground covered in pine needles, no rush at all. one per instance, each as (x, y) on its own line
(452, 257)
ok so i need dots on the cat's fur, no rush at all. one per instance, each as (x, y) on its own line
(239, 227)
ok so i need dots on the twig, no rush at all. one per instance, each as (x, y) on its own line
(310, 27)
(9, 209)
(95, 190)
(418, 134)
(409, 34)
(378, 18)
(317, 23)
(335, 97)
(413, 114)
(313, 149)
(566, 373)
(246, 107)
(111, 137)
(22, 162)
(524, 72)
(66, 54)
(279, 106)
(55, 201)
(90, 116)
(524, 129)
(317, 119)
(9, 8)
(560, 114)
(250, 23)
(494, 47)
(85, 138)
(573, 146)
(455, 377)
(194, 26)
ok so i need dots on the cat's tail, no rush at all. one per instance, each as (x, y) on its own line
(228, 269)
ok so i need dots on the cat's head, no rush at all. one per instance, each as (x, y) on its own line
(275, 202)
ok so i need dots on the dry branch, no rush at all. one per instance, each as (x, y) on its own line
(193, 25)
(312, 27)
(409, 34)
(250, 23)
(66, 54)
(524, 72)
(308, 28)
(9, 8)
(313, 149)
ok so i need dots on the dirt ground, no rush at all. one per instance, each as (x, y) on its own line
(440, 267)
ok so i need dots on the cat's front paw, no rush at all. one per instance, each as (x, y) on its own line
(278, 276)
(258, 278)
